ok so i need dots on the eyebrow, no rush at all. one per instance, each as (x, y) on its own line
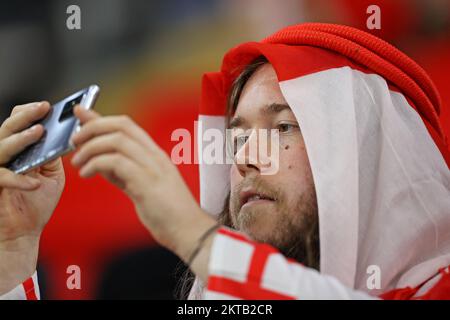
(270, 109)
(274, 108)
(237, 122)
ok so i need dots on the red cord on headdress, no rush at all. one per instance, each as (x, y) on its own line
(375, 54)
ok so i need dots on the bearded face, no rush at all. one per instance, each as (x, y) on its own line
(279, 208)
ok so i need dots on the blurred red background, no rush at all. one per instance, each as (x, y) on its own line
(148, 58)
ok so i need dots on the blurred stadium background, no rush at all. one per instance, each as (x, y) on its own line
(148, 57)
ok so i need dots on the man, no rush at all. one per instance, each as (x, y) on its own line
(363, 166)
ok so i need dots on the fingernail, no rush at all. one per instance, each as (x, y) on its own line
(74, 139)
(76, 159)
(33, 128)
(41, 104)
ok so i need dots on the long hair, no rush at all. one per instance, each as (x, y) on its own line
(187, 277)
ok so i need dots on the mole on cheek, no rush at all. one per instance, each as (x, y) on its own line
(286, 148)
(290, 167)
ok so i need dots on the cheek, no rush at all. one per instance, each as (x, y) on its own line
(289, 161)
(294, 165)
(235, 177)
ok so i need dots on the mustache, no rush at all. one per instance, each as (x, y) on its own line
(256, 183)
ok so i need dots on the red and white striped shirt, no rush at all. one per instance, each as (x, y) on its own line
(242, 269)
(28, 290)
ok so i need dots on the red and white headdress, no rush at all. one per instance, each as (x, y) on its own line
(379, 158)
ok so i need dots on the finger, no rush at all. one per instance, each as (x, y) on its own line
(116, 142)
(105, 125)
(10, 180)
(16, 143)
(85, 115)
(108, 165)
(20, 108)
(23, 117)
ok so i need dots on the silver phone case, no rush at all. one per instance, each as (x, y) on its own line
(56, 140)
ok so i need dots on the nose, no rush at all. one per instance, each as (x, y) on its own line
(247, 158)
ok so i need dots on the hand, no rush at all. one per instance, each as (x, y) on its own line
(26, 201)
(124, 154)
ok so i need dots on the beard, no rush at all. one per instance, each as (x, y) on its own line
(295, 229)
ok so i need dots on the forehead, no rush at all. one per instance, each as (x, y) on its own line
(260, 90)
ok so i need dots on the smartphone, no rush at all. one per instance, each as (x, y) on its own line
(59, 124)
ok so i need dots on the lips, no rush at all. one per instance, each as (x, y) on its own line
(252, 196)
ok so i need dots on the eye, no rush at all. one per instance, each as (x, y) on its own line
(239, 142)
(287, 127)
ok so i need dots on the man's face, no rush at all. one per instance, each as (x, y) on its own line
(280, 208)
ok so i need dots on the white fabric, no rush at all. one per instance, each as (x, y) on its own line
(236, 268)
(18, 293)
(383, 187)
(211, 295)
(279, 276)
(212, 195)
(36, 285)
